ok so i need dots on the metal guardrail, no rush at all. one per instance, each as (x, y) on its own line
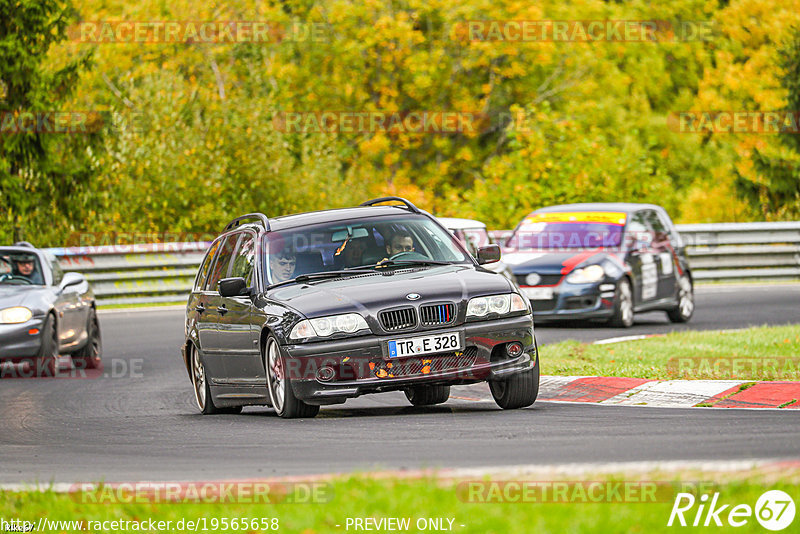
(164, 272)
(743, 251)
(133, 274)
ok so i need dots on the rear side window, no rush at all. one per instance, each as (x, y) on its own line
(223, 262)
(202, 273)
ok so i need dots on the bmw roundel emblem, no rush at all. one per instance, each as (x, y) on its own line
(412, 296)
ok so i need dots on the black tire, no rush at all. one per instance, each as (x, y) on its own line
(517, 391)
(281, 395)
(623, 305)
(46, 363)
(202, 392)
(685, 308)
(427, 395)
(90, 356)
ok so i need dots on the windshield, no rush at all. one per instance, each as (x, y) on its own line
(569, 230)
(405, 239)
(20, 268)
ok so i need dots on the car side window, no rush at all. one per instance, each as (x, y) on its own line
(222, 263)
(638, 230)
(55, 268)
(477, 237)
(660, 231)
(672, 232)
(202, 273)
(244, 260)
(468, 243)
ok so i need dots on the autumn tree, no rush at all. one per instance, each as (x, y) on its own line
(775, 192)
(44, 177)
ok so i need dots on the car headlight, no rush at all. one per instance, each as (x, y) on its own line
(347, 323)
(586, 275)
(15, 315)
(496, 304)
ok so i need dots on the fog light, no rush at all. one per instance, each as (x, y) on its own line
(514, 349)
(326, 374)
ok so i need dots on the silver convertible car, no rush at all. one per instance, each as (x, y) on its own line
(44, 312)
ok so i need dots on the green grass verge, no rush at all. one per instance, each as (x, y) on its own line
(763, 353)
(360, 497)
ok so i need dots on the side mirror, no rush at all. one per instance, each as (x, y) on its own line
(71, 279)
(488, 254)
(233, 287)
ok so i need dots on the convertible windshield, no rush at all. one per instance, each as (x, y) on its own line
(569, 230)
(378, 242)
(20, 268)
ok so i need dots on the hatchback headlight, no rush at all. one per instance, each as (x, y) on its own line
(586, 275)
(347, 323)
(15, 315)
(496, 304)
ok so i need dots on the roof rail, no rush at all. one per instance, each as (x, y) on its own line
(409, 205)
(238, 220)
(23, 244)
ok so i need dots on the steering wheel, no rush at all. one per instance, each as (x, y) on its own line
(7, 276)
(409, 255)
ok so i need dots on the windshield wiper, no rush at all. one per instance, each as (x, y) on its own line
(322, 275)
(401, 263)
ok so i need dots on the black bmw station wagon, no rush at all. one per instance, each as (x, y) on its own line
(311, 309)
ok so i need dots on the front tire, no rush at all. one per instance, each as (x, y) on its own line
(46, 363)
(279, 385)
(90, 356)
(427, 395)
(623, 305)
(685, 309)
(517, 391)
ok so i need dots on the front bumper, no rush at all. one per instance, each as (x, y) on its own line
(483, 358)
(15, 341)
(576, 301)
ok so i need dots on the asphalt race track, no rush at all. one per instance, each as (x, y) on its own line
(140, 422)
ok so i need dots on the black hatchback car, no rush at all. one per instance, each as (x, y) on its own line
(315, 308)
(601, 261)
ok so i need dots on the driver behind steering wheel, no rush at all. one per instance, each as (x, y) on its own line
(401, 241)
(25, 266)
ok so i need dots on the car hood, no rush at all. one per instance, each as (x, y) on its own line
(374, 292)
(33, 297)
(556, 262)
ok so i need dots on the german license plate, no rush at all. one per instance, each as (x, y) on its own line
(538, 293)
(414, 346)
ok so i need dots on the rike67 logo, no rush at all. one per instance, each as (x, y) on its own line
(774, 510)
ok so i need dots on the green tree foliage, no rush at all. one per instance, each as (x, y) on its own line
(561, 121)
(775, 191)
(43, 177)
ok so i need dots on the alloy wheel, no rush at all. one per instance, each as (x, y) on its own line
(275, 376)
